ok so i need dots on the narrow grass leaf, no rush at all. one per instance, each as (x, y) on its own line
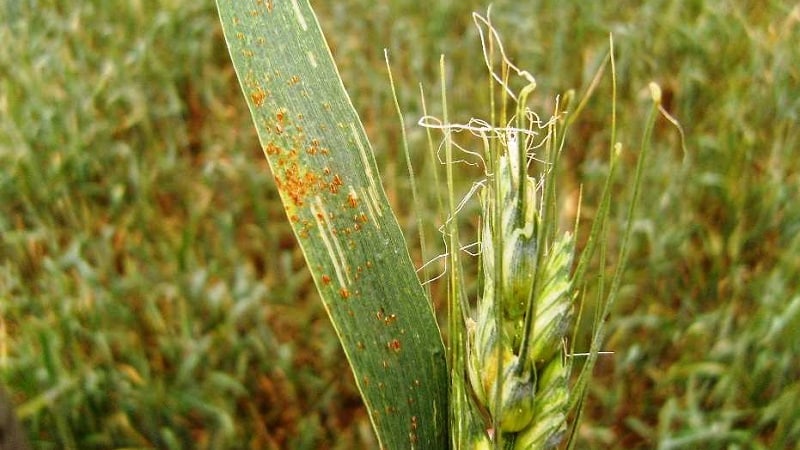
(326, 174)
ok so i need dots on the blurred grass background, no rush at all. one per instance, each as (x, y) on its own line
(151, 293)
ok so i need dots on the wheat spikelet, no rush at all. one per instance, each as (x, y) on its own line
(535, 307)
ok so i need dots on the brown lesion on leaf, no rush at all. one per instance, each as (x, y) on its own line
(258, 96)
(335, 184)
(297, 184)
(272, 150)
(313, 149)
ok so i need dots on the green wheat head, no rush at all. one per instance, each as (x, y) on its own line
(513, 349)
(524, 356)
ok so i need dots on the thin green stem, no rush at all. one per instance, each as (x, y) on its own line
(410, 168)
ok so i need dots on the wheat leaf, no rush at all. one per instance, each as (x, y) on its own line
(326, 174)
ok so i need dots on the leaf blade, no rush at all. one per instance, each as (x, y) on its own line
(326, 174)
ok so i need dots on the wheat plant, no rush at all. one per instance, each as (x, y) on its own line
(507, 381)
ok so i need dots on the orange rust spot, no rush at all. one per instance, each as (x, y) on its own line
(293, 80)
(272, 149)
(390, 319)
(326, 170)
(369, 264)
(269, 5)
(394, 345)
(314, 147)
(280, 116)
(352, 200)
(326, 279)
(362, 218)
(344, 293)
(294, 218)
(335, 184)
(258, 96)
(297, 185)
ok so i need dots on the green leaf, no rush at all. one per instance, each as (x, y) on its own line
(325, 171)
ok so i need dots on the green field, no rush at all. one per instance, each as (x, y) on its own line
(152, 294)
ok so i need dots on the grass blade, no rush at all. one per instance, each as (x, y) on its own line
(328, 181)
